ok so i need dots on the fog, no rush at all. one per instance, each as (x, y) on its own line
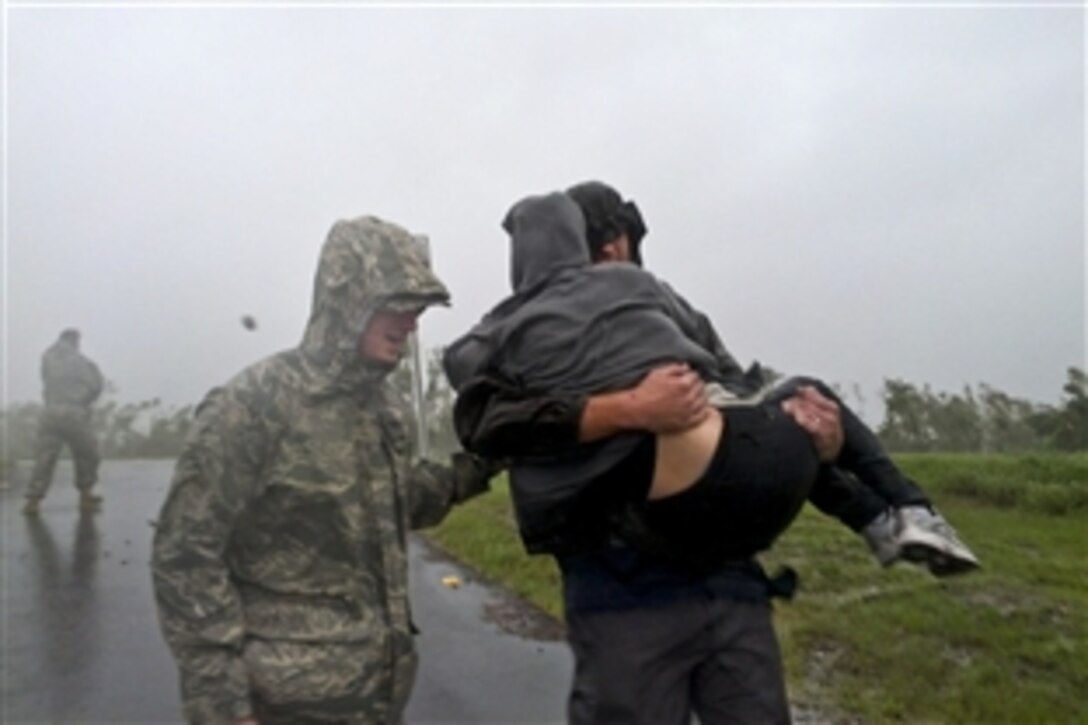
(855, 193)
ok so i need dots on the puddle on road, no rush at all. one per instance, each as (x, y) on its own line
(500, 607)
(516, 616)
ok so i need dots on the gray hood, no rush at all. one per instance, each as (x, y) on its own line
(547, 235)
(572, 326)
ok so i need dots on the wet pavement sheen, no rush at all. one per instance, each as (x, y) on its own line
(80, 640)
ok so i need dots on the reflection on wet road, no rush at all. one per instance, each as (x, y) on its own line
(81, 640)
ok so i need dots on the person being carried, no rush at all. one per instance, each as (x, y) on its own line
(725, 487)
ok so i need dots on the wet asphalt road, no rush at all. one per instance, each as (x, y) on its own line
(80, 641)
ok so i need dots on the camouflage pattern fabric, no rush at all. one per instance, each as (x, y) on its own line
(279, 561)
(62, 425)
(71, 384)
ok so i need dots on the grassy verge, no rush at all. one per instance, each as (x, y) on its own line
(1008, 644)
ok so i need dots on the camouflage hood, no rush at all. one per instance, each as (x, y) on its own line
(366, 264)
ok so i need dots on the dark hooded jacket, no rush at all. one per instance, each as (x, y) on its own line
(280, 555)
(68, 377)
(578, 328)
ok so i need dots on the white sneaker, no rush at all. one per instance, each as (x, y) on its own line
(924, 537)
(881, 534)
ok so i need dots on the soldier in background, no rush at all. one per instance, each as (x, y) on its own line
(279, 560)
(72, 383)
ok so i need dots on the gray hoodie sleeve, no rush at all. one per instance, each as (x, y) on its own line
(495, 418)
(697, 327)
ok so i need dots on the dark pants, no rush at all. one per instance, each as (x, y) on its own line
(764, 469)
(657, 665)
(757, 482)
(863, 481)
(714, 657)
(60, 426)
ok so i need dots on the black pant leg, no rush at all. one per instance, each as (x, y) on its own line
(862, 453)
(757, 482)
(838, 494)
(634, 666)
(741, 682)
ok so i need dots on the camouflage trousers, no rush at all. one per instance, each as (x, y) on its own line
(60, 426)
(294, 683)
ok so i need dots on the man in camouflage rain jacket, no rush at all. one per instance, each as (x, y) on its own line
(71, 385)
(279, 560)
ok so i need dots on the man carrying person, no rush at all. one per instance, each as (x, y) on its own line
(730, 673)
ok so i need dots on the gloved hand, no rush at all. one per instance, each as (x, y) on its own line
(472, 475)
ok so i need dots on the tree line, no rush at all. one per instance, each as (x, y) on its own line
(983, 419)
(917, 419)
(145, 429)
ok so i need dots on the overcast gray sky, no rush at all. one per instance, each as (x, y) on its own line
(851, 192)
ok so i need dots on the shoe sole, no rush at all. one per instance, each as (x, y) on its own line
(943, 566)
(941, 556)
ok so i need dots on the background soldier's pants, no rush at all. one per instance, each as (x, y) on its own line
(59, 426)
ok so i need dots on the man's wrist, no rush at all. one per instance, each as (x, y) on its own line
(606, 414)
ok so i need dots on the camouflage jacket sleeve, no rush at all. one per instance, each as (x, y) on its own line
(434, 488)
(199, 607)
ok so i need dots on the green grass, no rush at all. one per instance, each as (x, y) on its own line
(1051, 483)
(1007, 644)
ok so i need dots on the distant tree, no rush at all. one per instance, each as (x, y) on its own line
(921, 420)
(1009, 423)
(906, 425)
(401, 380)
(1067, 425)
(956, 421)
(19, 426)
(167, 432)
(859, 396)
(1073, 433)
(119, 427)
(124, 430)
(439, 399)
